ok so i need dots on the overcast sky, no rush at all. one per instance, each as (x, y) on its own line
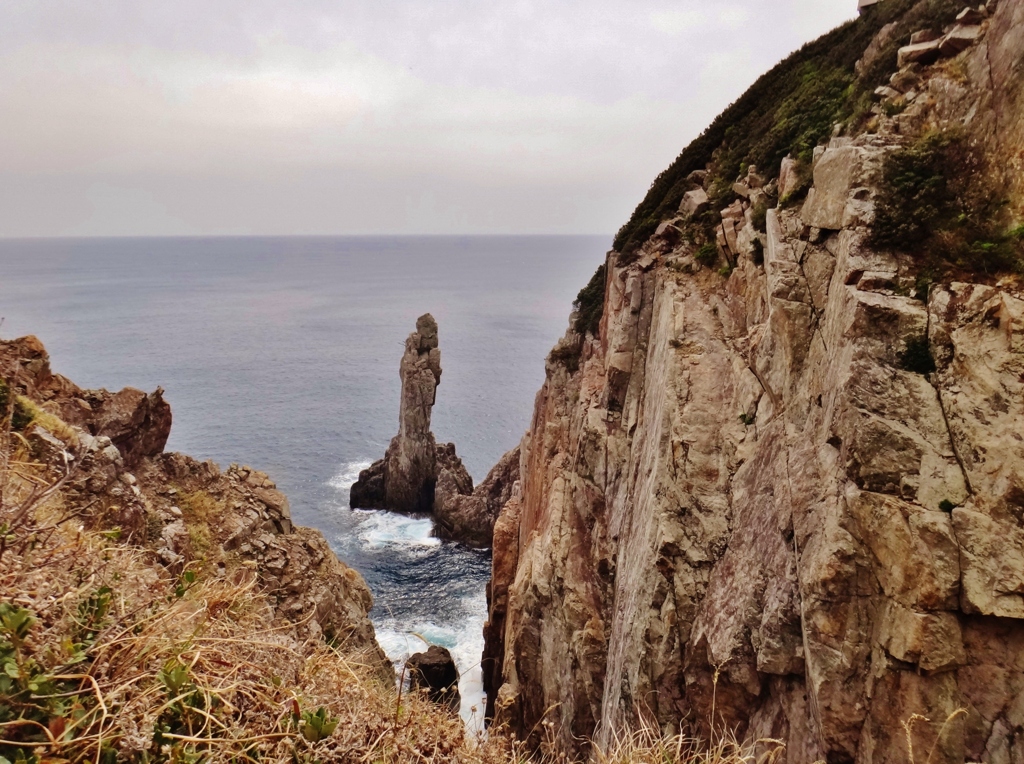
(129, 117)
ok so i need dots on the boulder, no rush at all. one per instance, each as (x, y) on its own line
(668, 231)
(789, 176)
(694, 202)
(435, 672)
(960, 38)
(137, 423)
(970, 17)
(905, 80)
(697, 177)
(924, 35)
(840, 170)
(922, 53)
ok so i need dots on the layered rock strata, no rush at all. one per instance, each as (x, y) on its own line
(107, 451)
(746, 511)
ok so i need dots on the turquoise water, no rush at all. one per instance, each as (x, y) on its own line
(282, 353)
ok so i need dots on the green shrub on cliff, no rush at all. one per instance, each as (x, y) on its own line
(937, 203)
(589, 304)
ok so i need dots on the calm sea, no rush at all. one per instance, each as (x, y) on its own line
(282, 353)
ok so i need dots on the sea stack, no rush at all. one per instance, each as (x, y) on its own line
(417, 474)
(404, 480)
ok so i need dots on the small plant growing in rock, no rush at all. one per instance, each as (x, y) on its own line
(707, 254)
(758, 254)
(946, 505)
(747, 419)
(589, 304)
(917, 357)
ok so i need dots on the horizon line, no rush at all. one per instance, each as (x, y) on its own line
(70, 237)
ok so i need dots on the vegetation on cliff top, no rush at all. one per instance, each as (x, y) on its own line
(936, 202)
(790, 109)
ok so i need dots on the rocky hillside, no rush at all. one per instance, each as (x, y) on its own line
(774, 480)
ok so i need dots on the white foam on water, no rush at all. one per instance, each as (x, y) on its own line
(347, 476)
(379, 529)
(465, 640)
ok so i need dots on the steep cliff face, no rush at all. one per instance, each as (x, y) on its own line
(786, 498)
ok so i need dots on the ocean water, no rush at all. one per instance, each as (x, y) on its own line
(282, 353)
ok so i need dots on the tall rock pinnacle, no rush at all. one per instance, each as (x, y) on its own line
(417, 474)
(404, 479)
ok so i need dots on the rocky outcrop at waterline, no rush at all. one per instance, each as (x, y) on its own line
(419, 475)
(435, 672)
(784, 497)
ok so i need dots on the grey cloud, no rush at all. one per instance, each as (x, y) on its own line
(248, 116)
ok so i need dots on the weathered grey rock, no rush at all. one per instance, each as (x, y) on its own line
(435, 672)
(884, 92)
(922, 53)
(959, 39)
(924, 35)
(694, 202)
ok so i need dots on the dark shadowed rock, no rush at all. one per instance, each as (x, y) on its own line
(469, 515)
(435, 672)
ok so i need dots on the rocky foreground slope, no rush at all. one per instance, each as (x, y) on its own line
(108, 451)
(787, 497)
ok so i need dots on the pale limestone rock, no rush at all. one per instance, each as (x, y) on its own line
(694, 202)
(922, 53)
(959, 38)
